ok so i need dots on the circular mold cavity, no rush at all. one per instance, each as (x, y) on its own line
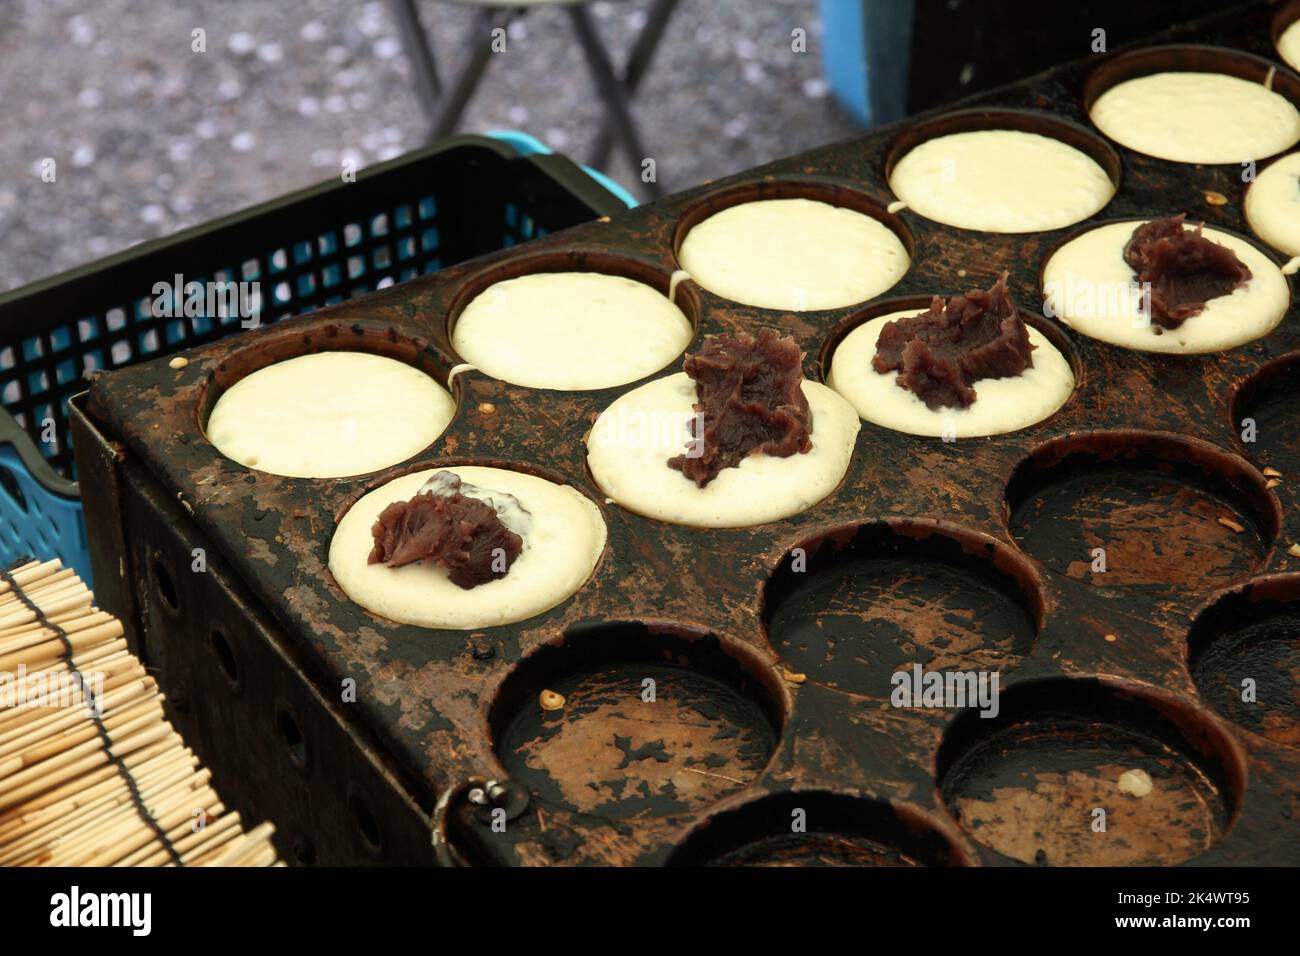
(1085, 772)
(1141, 509)
(631, 442)
(792, 245)
(1012, 404)
(1244, 654)
(563, 532)
(1266, 417)
(572, 321)
(1286, 33)
(318, 403)
(820, 828)
(1089, 286)
(1272, 203)
(1222, 115)
(645, 720)
(1002, 170)
(851, 607)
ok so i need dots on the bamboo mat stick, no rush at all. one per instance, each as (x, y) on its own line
(130, 764)
(49, 821)
(137, 713)
(86, 820)
(226, 827)
(109, 785)
(118, 841)
(45, 823)
(189, 834)
(118, 692)
(245, 845)
(16, 639)
(96, 842)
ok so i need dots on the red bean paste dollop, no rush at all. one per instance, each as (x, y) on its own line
(940, 353)
(1184, 268)
(750, 401)
(463, 534)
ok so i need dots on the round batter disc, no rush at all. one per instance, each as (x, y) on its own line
(570, 330)
(329, 415)
(1197, 117)
(1001, 180)
(632, 440)
(1089, 286)
(1001, 404)
(564, 540)
(796, 255)
(1288, 45)
(1273, 204)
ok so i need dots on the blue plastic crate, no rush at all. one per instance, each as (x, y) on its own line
(464, 197)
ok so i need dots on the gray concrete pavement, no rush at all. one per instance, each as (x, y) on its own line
(150, 136)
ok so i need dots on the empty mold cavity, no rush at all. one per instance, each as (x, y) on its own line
(1002, 170)
(1081, 772)
(819, 828)
(572, 320)
(776, 245)
(1132, 509)
(629, 720)
(1244, 655)
(1236, 125)
(1266, 416)
(851, 607)
(318, 402)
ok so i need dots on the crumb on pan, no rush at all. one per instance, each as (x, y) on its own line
(1136, 783)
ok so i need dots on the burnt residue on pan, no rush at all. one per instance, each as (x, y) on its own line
(611, 750)
(819, 828)
(1080, 773)
(638, 725)
(1266, 419)
(1132, 510)
(1244, 654)
(850, 613)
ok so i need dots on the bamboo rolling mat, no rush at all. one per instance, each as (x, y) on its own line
(91, 774)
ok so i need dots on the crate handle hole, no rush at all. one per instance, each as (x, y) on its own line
(225, 655)
(291, 734)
